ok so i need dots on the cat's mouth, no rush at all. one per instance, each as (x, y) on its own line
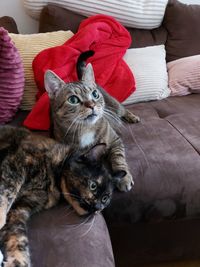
(91, 118)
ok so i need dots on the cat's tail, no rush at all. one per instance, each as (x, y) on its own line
(81, 62)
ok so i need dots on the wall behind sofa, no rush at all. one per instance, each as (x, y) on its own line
(15, 9)
(26, 24)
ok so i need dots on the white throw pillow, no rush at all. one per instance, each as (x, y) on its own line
(148, 65)
(145, 14)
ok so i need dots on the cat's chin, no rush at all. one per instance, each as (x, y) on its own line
(91, 119)
(76, 206)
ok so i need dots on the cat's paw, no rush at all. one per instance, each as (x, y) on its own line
(16, 262)
(126, 183)
(130, 117)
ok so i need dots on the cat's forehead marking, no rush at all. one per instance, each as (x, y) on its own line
(79, 88)
(99, 179)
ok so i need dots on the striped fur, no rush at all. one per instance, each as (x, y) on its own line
(90, 121)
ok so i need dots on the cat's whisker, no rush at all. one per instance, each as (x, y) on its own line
(90, 227)
(81, 127)
(65, 215)
(115, 119)
(75, 120)
(111, 119)
(110, 108)
(77, 225)
(139, 146)
(113, 115)
(68, 208)
(74, 133)
(72, 195)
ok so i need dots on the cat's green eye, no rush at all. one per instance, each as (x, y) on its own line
(74, 100)
(93, 186)
(104, 199)
(95, 94)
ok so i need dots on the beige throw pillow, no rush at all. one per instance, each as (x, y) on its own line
(29, 45)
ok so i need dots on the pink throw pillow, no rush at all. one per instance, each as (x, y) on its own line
(11, 78)
(184, 75)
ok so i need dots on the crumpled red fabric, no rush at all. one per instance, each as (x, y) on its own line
(109, 40)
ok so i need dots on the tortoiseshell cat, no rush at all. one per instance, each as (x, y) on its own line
(82, 115)
(34, 172)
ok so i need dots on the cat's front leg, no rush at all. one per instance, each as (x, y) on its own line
(3, 210)
(15, 239)
(8, 193)
(14, 234)
(120, 167)
(129, 117)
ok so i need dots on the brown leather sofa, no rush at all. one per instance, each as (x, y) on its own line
(159, 219)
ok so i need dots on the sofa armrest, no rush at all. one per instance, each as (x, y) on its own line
(9, 24)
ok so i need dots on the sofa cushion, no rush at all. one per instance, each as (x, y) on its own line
(181, 22)
(29, 45)
(11, 77)
(58, 237)
(163, 155)
(55, 18)
(9, 24)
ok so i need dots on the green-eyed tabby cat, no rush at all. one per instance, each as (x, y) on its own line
(83, 115)
(34, 172)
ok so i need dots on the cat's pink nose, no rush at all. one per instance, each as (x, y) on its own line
(89, 104)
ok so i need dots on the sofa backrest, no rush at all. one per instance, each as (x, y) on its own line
(179, 30)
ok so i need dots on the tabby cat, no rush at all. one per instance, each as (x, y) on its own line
(34, 172)
(83, 115)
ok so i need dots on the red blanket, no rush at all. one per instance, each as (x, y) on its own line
(109, 40)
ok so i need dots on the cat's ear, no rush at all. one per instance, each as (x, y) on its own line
(53, 84)
(95, 153)
(88, 75)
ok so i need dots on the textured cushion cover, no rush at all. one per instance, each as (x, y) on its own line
(29, 45)
(11, 78)
(184, 75)
(147, 14)
(182, 23)
(149, 67)
(9, 24)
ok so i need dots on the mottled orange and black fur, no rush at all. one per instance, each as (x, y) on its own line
(34, 172)
(83, 115)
